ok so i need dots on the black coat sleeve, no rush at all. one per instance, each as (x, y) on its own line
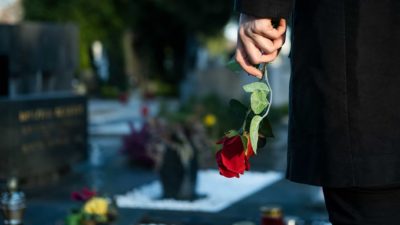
(274, 9)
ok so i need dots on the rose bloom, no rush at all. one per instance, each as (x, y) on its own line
(233, 158)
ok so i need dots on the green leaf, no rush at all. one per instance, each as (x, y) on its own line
(217, 148)
(256, 86)
(254, 126)
(231, 133)
(266, 128)
(258, 101)
(237, 108)
(248, 121)
(234, 66)
(73, 219)
(244, 141)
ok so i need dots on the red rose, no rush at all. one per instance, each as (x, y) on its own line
(232, 159)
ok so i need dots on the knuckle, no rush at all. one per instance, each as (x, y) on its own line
(277, 34)
(262, 26)
(255, 60)
(242, 32)
(267, 50)
(270, 47)
(257, 27)
(278, 44)
(271, 34)
(267, 23)
(249, 33)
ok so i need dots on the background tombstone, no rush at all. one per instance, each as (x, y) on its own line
(42, 123)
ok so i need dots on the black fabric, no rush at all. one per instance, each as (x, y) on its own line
(363, 206)
(344, 111)
(274, 9)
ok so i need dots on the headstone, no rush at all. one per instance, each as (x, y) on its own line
(38, 58)
(41, 134)
(42, 123)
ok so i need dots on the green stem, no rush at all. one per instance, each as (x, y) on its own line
(266, 80)
(245, 119)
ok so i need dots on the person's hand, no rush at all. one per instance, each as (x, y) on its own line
(258, 42)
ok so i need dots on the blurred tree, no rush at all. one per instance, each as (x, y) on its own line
(165, 31)
(195, 16)
(97, 20)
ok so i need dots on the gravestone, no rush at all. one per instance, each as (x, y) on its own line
(37, 58)
(41, 134)
(42, 123)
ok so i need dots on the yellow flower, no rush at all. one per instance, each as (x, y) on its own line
(96, 205)
(210, 120)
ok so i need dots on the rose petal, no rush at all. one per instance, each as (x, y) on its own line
(222, 169)
(218, 158)
(233, 156)
(233, 140)
(221, 141)
(247, 164)
(227, 173)
(250, 151)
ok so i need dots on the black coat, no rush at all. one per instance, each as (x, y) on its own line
(344, 104)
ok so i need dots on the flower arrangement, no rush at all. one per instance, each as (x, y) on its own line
(135, 146)
(237, 146)
(95, 210)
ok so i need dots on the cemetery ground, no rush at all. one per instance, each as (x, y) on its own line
(109, 172)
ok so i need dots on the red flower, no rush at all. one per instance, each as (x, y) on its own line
(84, 195)
(232, 159)
(144, 111)
(249, 151)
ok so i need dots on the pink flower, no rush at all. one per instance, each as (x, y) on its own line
(84, 195)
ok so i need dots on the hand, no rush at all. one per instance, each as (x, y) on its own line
(258, 42)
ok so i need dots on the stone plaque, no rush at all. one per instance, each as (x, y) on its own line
(39, 135)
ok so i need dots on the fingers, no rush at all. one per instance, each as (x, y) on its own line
(264, 44)
(259, 49)
(246, 65)
(278, 43)
(252, 52)
(281, 29)
(264, 28)
(259, 42)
